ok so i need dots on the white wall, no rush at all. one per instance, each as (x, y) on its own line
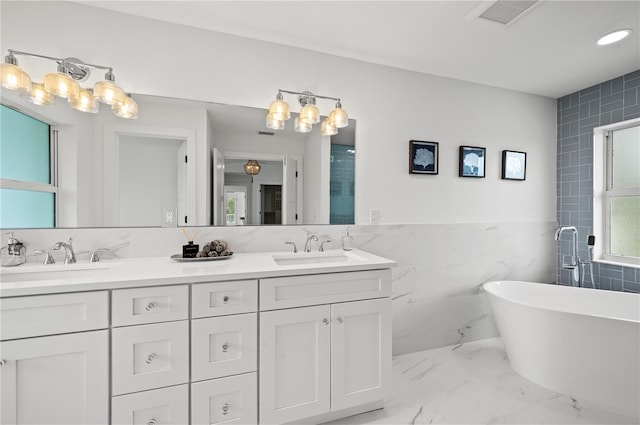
(392, 106)
(260, 144)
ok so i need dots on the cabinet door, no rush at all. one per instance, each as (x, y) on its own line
(163, 406)
(56, 380)
(149, 356)
(223, 346)
(230, 400)
(294, 364)
(360, 352)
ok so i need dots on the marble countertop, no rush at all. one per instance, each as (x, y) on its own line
(39, 279)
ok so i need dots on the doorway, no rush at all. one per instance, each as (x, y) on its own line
(235, 201)
(270, 204)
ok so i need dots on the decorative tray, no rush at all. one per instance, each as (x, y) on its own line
(179, 259)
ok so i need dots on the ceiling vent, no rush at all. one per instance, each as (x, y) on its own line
(265, 133)
(504, 12)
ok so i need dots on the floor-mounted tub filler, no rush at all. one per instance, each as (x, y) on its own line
(577, 341)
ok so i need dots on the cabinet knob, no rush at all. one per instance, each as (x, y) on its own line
(225, 347)
(152, 422)
(3, 362)
(225, 299)
(340, 320)
(150, 357)
(225, 409)
(151, 305)
(325, 321)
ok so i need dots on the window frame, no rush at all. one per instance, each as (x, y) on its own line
(603, 193)
(52, 186)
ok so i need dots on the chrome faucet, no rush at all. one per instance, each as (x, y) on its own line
(307, 244)
(574, 263)
(69, 255)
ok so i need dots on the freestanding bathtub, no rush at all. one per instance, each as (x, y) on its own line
(581, 342)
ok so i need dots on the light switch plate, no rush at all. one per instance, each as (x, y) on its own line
(374, 216)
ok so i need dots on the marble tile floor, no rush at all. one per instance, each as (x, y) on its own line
(472, 383)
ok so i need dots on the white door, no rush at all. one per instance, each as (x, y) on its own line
(360, 352)
(289, 190)
(230, 400)
(218, 188)
(294, 364)
(56, 380)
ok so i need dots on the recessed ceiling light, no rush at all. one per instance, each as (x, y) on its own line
(613, 37)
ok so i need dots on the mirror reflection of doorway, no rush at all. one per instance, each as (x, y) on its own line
(271, 204)
(235, 201)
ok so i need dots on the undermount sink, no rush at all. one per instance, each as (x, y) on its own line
(52, 271)
(315, 258)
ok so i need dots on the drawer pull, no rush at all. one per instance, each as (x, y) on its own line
(151, 305)
(225, 409)
(225, 347)
(151, 357)
(325, 321)
(225, 299)
(340, 320)
(3, 362)
(152, 422)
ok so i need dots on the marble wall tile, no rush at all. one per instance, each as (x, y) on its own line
(437, 295)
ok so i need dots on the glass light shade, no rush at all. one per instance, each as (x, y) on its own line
(309, 114)
(84, 102)
(61, 85)
(274, 123)
(128, 108)
(279, 110)
(326, 129)
(339, 118)
(14, 78)
(108, 92)
(252, 167)
(38, 95)
(301, 126)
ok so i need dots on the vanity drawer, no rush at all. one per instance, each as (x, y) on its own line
(23, 317)
(297, 291)
(223, 346)
(163, 406)
(149, 356)
(222, 298)
(231, 400)
(138, 306)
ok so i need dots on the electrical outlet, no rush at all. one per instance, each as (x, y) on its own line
(374, 216)
(169, 217)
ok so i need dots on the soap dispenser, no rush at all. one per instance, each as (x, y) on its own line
(16, 252)
(347, 241)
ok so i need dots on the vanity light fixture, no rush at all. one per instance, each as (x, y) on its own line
(252, 167)
(613, 37)
(309, 114)
(64, 84)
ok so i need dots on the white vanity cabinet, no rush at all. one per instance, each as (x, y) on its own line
(228, 343)
(54, 366)
(325, 361)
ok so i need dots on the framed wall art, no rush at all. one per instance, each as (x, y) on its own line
(472, 161)
(423, 157)
(514, 165)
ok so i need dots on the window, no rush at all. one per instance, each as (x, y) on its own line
(27, 170)
(617, 191)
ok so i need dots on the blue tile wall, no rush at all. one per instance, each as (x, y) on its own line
(341, 185)
(578, 113)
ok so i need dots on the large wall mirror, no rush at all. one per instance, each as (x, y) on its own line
(181, 163)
